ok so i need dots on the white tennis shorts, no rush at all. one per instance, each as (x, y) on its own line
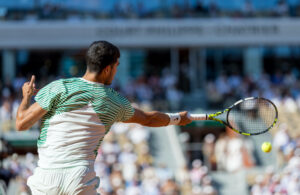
(80, 180)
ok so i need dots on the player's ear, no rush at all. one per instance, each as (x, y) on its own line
(107, 69)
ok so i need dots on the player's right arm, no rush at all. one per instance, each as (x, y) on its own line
(28, 114)
(156, 119)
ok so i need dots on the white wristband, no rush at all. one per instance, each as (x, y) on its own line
(174, 118)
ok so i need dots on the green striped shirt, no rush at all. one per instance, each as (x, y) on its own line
(80, 113)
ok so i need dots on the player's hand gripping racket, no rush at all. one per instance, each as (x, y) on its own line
(249, 116)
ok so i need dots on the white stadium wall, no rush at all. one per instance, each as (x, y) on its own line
(150, 33)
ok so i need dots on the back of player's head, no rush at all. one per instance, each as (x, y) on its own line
(101, 54)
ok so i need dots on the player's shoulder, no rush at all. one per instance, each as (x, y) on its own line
(57, 85)
(69, 80)
(59, 81)
(112, 91)
(51, 89)
(117, 94)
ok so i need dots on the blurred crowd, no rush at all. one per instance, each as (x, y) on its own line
(231, 153)
(161, 92)
(228, 152)
(15, 172)
(285, 143)
(286, 178)
(10, 98)
(96, 9)
(283, 88)
(125, 167)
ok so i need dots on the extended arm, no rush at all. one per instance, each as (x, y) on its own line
(155, 118)
(28, 114)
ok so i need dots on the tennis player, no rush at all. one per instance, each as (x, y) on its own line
(76, 114)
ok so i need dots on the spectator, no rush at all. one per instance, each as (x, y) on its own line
(208, 150)
(221, 151)
(200, 9)
(281, 8)
(174, 97)
(281, 140)
(6, 116)
(248, 9)
(222, 85)
(259, 187)
(169, 188)
(197, 173)
(182, 175)
(213, 9)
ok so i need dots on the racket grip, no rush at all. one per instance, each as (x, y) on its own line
(197, 117)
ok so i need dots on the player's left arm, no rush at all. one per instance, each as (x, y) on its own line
(28, 114)
(158, 119)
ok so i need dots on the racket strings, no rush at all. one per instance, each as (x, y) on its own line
(252, 116)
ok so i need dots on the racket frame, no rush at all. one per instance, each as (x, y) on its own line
(212, 116)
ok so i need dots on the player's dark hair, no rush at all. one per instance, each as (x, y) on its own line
(101, 54)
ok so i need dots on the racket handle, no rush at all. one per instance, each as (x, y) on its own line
(197, 117)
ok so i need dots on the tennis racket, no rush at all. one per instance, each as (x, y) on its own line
(249, 116)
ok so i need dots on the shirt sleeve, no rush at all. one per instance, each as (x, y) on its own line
(128, 110)
(49, 96)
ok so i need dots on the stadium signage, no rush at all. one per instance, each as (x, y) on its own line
(151, 33)
(247, 30)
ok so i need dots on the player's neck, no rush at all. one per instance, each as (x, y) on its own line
(93, 77)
